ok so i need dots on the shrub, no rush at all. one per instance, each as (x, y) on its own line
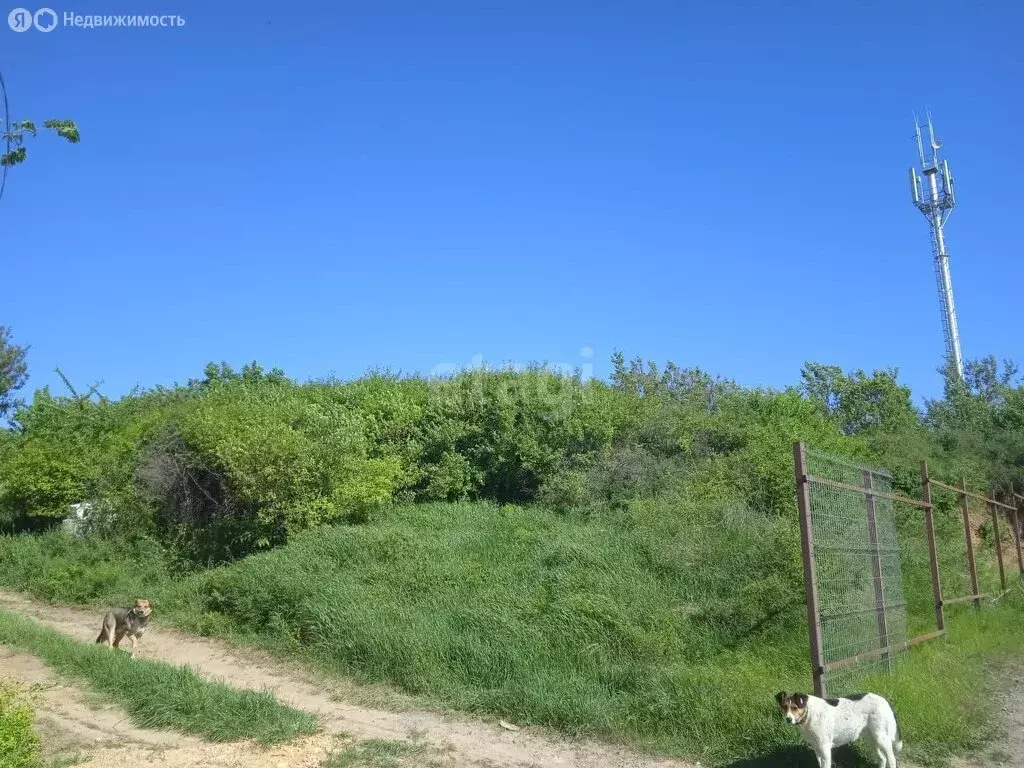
(502, 434)
(251, 464)
(236, 462)
(19, 745)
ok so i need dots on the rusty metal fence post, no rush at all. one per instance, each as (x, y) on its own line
(965, 509)
(992, 504)
(803, 500)
(933, 556)
(876, 566)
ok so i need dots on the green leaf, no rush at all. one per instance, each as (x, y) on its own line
(13, 157)
(66, 129)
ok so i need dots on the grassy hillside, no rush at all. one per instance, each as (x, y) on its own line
(613, 558)
(660, 627)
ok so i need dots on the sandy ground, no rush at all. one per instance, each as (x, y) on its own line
(71, 724)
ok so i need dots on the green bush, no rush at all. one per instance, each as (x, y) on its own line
(501, 434)
(251, 463)
(238, 462)
(19, 745)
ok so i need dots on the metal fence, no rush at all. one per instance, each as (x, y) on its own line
(853, 575)
(974, 506)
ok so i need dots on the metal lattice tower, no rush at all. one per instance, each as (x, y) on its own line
(932, 190)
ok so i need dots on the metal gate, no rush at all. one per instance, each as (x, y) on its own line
(856, 611)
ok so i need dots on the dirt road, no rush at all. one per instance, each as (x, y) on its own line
(105, 737)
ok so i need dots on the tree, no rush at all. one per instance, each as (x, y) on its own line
(981, 417)
(219, 373)
(860, 403)
(14, 136)
(13, 371)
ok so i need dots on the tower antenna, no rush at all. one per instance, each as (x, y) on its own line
(931, 188)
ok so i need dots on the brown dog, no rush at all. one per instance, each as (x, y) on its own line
(125, 622)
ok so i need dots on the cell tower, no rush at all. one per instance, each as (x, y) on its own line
(933, 195)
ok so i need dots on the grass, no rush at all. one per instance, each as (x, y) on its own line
(19, 744)
(67, 761)
(387, 753)
(943, 690)
(668, 627)
(158, 695)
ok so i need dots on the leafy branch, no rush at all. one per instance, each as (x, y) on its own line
(14, 134)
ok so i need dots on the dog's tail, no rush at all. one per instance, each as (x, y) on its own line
(897, 742)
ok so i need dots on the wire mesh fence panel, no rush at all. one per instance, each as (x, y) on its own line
(985, 556)
(954, 563)
(862, 612)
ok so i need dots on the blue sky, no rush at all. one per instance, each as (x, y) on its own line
(337, 186)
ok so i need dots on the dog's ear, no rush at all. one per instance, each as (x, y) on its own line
(801, 700)
(780, 697)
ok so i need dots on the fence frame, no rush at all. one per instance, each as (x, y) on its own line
(1014, 510)
(819, 668)
(803, 497)
(994, 506)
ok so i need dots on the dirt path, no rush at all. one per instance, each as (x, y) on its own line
(70, 726)
(108, 739)
(1010, 752)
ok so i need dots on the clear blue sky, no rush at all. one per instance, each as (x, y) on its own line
(329, 187)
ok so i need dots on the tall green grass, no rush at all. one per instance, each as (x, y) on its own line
(158, 695)
(19, 744)
(58, 568)
(667, 627)
(943, 690)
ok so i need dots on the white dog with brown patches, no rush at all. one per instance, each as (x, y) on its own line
(829, 723)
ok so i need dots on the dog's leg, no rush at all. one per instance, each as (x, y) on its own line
(118, 637)
(872, 739)
(888, 758)
(132, 651)
(825, 756)
(106, 633)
